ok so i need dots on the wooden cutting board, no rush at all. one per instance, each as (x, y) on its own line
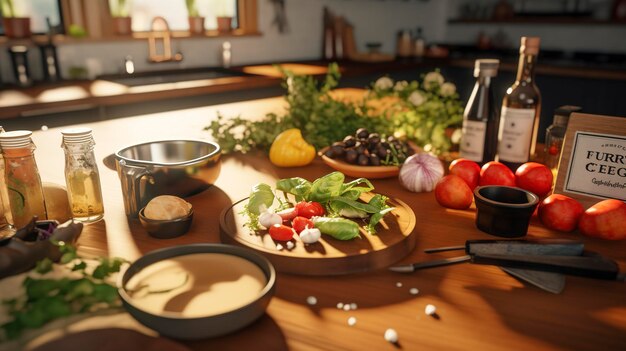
(394, 240)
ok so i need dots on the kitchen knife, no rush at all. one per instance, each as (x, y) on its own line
(549, 281)
(591, 265)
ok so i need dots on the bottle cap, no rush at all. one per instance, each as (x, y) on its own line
(15, 139)
(77, 135)
(561, 114)
(529, 45)
(486, 67)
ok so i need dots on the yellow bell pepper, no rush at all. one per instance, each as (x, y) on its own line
(289, 149)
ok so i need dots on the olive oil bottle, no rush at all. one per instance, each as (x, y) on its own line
(521, 107)
(479, 142)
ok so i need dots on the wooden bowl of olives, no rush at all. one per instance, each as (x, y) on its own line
(367, 155)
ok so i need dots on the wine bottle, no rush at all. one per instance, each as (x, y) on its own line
(521, 106)
(479, 142)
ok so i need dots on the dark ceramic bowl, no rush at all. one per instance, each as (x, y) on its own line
(166, 229)
(175, 326)
(503, 210)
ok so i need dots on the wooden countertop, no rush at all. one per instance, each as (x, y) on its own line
(480, 307)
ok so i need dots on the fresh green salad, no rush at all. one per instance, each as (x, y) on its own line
(327, 205)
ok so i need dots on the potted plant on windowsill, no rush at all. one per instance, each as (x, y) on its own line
(120, 13)
(196, 22)
(223, 18)
(14, 26)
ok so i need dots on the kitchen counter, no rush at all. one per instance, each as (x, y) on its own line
(68, 96)
(479, 307)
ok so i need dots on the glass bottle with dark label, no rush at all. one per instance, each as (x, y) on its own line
(519, 119)
(480, 119)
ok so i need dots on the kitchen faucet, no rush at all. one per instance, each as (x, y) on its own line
(159, 42)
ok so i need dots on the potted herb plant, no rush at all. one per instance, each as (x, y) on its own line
(196, 22)
(224, 21)
(120, 13)
(15, 26)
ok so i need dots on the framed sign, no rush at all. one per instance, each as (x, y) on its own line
(593, 159)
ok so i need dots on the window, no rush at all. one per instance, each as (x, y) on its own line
(37, 10)
(175, 13)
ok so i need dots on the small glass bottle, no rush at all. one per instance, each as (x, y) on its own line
(23, 182)
(555, 134)
(82, 176)
(7, 229)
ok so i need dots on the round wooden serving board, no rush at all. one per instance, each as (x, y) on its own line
(394, 240)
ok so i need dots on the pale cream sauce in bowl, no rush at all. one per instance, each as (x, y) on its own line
(196, 285)
(198, 291)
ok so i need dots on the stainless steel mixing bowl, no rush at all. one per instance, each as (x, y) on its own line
(167, 167)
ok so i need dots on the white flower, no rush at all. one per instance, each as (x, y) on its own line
(383, 83)
(417, 98)
(401, 85)
(433, 79)
(448, 89)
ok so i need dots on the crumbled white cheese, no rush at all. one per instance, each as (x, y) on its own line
(279, 247)
(430, 309)
(290, 245)
(353, 306)
(346, 307)
(311, 300)
(340, 305)
(414, 291)
(391, 335)
(399, 284)
(351, 321)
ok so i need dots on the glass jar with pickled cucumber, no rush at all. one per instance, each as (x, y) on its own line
(22, 178)
(82, 176)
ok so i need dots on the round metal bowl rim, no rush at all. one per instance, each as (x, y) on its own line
(164, 221)
(182, 251)
(217, 150)
(533, 202)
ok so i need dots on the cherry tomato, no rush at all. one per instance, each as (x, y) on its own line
(309, 209)
(281, 232)
(496, 173)
(301, 223)
(288, 214)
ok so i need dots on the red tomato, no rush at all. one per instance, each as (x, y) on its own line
(288, 214)
(452, 192)
(606, 220)
(281, 232)
(496, 173)
(301, 223)
(534, 177)
(468, 170)
(309, 209)
(560, 212)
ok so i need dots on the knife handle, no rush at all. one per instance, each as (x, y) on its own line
(550, 247)
(590, 266)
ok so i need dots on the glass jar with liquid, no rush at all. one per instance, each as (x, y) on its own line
(82, 176)
(23, 182)
(7, 229)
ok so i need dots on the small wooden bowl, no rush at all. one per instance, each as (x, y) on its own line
(166, 229)
(369, 172)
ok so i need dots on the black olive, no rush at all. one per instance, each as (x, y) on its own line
(384, 144)
(382, 152)
(339, 143)
(364, 160)
(337, 150)
(374, 160)
(329, 153)
(362, 133)
(372, 147)
(373, 138)
(360, 148)
(349, 141)
(351, 156)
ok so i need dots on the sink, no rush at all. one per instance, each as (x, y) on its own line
(172, 76)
